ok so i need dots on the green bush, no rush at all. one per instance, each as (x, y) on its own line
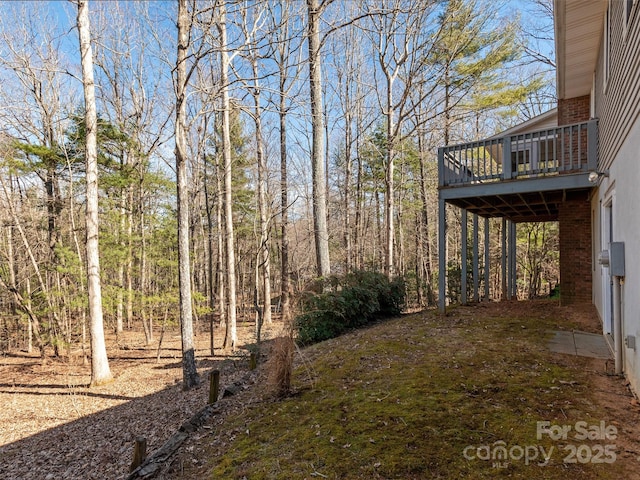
(347, 302)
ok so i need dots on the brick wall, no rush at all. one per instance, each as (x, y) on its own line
(572, 143)
(575, 220)
(575, 249)
(574, 110)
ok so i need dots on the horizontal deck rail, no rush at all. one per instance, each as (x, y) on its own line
(566, 149)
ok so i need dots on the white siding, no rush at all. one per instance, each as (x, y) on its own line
(618, 105)
(626, 228)
(618, 109)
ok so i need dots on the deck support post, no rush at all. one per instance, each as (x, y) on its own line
(509, 260)
(476, 260)
(463, 257)
(506, 158)
(442, 256)
(504, 258)
(487, 257)
(512, 261)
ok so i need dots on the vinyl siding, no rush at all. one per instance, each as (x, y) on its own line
(618, 103)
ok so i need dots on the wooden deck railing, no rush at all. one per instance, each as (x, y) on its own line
(566, 149)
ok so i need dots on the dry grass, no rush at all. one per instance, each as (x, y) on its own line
(280, 366)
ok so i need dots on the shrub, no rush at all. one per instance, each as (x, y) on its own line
(347, 302)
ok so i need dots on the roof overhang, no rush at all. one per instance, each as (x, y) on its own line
(544, 121)
(578, 28)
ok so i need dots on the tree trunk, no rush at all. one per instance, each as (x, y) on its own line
(129, 262)
(283, 60)
(425, 259)
(82, 311)
(211, 285)
(121, 266)
(285, 282)
(319, 193)
(228, 198)
(100, 372)
(359, 199)
(379, 243)
(189, 372)
(263, 257)
(399, 262)
(348, 263)
(389, 266)
(221, 257)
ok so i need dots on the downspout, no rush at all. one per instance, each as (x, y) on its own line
(617, 325)
(617, 267)
(614, 260)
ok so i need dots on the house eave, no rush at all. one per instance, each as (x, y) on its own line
(530, 124)
(578, 26)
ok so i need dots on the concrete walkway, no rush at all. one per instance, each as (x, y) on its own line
(582, 344)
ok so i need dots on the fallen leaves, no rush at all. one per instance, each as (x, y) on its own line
(52, 426)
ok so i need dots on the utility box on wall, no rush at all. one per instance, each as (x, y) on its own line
(616, 259)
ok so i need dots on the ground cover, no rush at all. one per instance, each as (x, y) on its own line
(401, 399)
(53, 427)
(425, 396)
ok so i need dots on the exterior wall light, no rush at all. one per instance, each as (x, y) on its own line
(594, 177)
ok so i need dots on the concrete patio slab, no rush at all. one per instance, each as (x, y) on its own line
(591, 345)
(583, 344)
(562, 342)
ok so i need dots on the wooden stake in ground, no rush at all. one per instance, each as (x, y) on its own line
(139, 453)
(214, 386)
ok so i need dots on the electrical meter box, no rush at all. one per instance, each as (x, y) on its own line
(616, 259)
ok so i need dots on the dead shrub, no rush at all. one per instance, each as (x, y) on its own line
(281, 365)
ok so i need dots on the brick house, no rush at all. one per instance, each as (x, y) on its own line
(578, 165)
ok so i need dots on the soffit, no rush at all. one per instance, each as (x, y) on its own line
(544, 121)
(578, 31)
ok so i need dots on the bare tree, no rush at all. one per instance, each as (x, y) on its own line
(100, 372)
(228, 197)
(189, 371)
(400, 43)
(252, 24)
(349, 66)
(130, 87)
(11, 285)
(284, 57)
(34, 115)
(318, 172)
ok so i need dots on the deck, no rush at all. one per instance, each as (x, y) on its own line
(520, 177)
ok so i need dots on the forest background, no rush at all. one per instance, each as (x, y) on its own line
(244, 150)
